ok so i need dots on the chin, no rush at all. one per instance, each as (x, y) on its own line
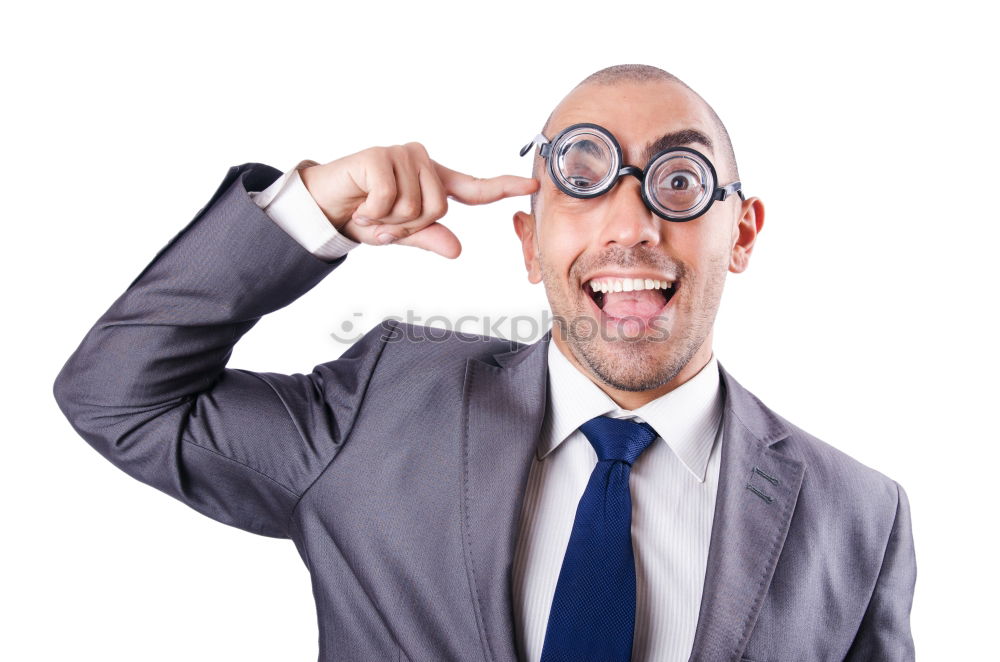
(631, 365)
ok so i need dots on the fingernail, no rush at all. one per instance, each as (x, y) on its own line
(385, 238)
(362, 220)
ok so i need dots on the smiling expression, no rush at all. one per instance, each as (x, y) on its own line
(634, 296)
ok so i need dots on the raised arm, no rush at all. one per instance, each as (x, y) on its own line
(148, 386)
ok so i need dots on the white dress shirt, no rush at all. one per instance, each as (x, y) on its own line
(673, 483)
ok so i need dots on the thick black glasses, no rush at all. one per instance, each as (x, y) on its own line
(678, 184)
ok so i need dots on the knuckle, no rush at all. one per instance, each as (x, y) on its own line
(417, 149)
(384, 188)
(381, 197)
(408, 210)
(376, 161)
(436, 209)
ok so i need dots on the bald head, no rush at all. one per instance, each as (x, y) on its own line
(638, 74)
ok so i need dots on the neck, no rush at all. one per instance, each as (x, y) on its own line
(631, 400)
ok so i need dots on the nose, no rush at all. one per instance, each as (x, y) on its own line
(627, 221)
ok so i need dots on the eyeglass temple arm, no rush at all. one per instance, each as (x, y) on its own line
(724, 192)
(539, 140)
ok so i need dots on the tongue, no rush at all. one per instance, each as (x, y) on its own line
(643, 304)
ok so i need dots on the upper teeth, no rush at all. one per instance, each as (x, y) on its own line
(628, 284)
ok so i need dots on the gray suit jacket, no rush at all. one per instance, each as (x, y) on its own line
(398, 469)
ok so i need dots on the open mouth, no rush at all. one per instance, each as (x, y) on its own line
(631, 298)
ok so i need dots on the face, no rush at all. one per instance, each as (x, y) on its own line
(655, 332)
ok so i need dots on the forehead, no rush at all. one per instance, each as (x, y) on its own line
(636, 113)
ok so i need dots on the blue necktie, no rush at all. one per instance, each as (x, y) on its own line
(593, 610)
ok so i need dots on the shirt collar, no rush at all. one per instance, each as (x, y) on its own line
(686, 418)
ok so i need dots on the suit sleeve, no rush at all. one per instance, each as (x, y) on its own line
(884, 634)
(149, 389)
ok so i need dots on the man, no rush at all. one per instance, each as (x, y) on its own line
(607, 493)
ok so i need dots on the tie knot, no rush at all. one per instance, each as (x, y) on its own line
(618, 439)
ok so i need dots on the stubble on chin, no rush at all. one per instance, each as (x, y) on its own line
(633, 365)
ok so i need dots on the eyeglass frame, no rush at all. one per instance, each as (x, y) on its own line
(545, 151)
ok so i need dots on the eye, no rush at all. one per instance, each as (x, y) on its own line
(581, 181)
(682, 180)
(679, 190)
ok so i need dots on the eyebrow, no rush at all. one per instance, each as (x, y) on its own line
(676, 139)
(591, 147)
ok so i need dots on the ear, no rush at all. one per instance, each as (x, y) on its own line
(524, 226)
(745, 232)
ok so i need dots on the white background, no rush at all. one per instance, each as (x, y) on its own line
(867, 316)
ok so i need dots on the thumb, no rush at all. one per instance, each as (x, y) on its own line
(436, 238)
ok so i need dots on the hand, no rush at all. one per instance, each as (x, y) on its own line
(396, 194)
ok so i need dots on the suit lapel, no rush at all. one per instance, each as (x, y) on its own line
(504, 405)
(758, 488)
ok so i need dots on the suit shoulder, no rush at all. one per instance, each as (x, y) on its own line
(833, 471)
(829, 470)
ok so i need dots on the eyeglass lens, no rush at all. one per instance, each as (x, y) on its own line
(680, 183)
(585, 161)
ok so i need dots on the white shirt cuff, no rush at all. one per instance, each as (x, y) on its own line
(289, 204)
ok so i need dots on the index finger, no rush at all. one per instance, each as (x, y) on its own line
(478, 191)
